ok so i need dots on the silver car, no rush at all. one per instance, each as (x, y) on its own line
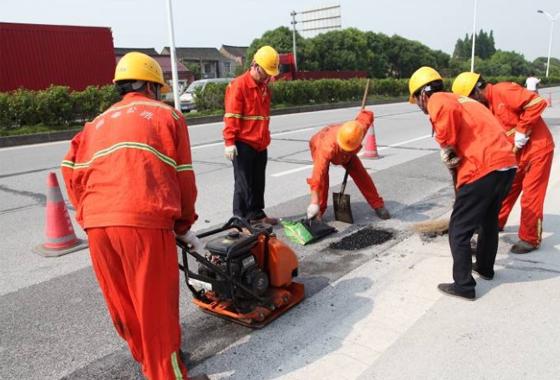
(187, 99)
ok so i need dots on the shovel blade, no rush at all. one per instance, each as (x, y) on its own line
(342, 209)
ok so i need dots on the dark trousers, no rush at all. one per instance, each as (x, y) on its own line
(477, 206)
(249, 167)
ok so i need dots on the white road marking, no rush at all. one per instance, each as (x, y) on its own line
(281, 174)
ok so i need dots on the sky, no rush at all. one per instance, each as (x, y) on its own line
(437, 23)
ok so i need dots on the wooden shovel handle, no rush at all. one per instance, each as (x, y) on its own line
(365, 95)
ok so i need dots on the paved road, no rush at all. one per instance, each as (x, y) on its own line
(52, 317)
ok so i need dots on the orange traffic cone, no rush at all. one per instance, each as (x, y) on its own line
(370, 150)
(61, 238)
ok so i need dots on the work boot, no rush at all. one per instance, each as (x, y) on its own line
(483, 275)
(522, 247)
(202, 376)
(382, 213)
(449, 289)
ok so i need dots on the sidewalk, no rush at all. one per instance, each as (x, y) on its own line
(386, 319)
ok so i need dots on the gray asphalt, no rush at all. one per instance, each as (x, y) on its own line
(53, 321)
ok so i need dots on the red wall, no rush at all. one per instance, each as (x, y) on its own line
(35, 56)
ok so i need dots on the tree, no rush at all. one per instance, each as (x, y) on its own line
(194, 68)
(484, 46)
(345, 49)
(281, 40)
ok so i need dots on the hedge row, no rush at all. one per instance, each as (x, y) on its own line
(56, 106)
(329, 91)
(59, 107)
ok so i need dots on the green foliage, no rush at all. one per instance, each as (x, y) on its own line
(56, 107)
(538, 67)
(347, 49)
(194, 68)
(281, 40)
(484, 46)
(211, 98)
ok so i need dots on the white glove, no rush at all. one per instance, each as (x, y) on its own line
(520, 139)
(449, 158)
(230, 152)
(312, 210)
(191, 239)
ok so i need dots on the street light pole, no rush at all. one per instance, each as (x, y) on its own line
(473, 36)
(552, 19)
(174, 74)
(294, 22)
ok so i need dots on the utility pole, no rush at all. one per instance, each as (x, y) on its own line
(294, 22)
(174, 74)
(473, 37)
(552, 19)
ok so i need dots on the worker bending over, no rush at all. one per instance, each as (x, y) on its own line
(129, 176)
(339, 144)
(247, 136)
(474, 145)
(519, 112)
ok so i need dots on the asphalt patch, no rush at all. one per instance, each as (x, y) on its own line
(363, 238)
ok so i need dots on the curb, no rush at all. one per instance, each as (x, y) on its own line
(37, 138)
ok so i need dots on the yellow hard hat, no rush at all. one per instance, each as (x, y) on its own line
(268, 58)
(420, 78)
(139, 66)
(465, 83)
(350, 136)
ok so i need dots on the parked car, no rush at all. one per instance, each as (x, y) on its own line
(187, 99)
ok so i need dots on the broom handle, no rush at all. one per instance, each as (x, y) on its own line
(365, 95)
(344, 182)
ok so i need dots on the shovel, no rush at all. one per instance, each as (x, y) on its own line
(341, 201)
(341, 204)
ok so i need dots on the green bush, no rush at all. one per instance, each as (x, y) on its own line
(211, 98)
(56, 107)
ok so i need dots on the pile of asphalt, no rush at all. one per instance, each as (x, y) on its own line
(363, 238)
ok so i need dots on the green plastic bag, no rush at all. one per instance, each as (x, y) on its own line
(297, 232)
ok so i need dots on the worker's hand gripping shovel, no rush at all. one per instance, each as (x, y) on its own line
(341, 201)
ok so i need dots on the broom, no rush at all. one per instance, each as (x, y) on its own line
(436, 227)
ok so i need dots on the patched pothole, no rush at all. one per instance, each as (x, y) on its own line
(363, 238)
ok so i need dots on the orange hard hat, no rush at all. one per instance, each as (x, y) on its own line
(350, 136)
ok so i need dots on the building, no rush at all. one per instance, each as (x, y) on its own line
(36, 56)
(211, 62)
(119, 52)
(235, 53)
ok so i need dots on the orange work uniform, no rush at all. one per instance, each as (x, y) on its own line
(246, 118)
(465, 125)
(247, 113)
(520, 110)
(325, 151)
(484, 176)
(129, 176)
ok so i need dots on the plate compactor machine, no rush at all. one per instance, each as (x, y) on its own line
(245, 275)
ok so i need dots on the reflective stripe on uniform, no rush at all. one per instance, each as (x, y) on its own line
(465, 99)
(245, 117)
(144, 103)
(537, 100)
(175, 365)
(127, 145)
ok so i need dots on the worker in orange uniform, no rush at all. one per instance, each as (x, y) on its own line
(339, 144)
(519, 111)
(247, 135)
(129, 176)
(474, 146)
